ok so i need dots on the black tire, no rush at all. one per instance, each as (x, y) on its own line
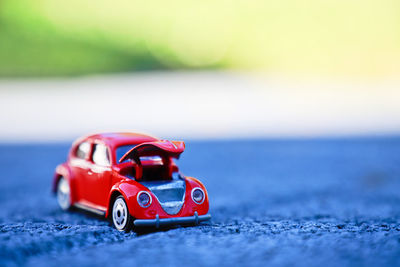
(120, 216)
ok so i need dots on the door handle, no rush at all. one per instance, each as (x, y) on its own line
(90, 172)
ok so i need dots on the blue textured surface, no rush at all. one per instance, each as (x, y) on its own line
(274, 203)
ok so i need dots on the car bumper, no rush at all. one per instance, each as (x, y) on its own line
(157, 222)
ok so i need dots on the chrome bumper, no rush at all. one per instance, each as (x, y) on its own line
(157, 222)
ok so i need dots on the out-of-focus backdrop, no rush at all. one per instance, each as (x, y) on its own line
(58, 37)
(257, 68)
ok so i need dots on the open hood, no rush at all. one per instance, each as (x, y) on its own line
(162, 148)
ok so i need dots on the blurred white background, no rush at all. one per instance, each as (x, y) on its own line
(197, 105)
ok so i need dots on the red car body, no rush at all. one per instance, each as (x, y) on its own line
(146, 177)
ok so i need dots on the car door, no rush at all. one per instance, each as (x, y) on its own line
(98, 181)
(80, 163)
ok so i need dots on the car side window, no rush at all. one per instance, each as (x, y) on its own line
(83, 150)
(100, 155)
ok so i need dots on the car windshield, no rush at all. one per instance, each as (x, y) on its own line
(122, 150)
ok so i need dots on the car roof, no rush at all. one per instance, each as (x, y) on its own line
(115, 139)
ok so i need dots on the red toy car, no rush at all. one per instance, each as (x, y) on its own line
(131, 178)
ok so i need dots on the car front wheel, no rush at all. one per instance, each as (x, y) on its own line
(63, 194)
(121, 218)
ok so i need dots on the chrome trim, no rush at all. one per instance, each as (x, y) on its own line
(90, 209)
(204, 195)
(157, 222)
(137, 199)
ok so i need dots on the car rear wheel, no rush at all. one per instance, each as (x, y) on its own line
(121, 217)
(63, 194)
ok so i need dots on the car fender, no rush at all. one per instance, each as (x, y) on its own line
(64, 171)
(191, 183)
(129, 191)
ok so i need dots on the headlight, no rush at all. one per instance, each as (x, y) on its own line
(198, 195)
(144, 199)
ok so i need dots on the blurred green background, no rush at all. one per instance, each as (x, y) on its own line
(75, 37)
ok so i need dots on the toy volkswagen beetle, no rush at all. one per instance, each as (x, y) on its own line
(132, 179)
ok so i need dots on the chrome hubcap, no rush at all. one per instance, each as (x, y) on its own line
(63, 194)
(120, 214)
